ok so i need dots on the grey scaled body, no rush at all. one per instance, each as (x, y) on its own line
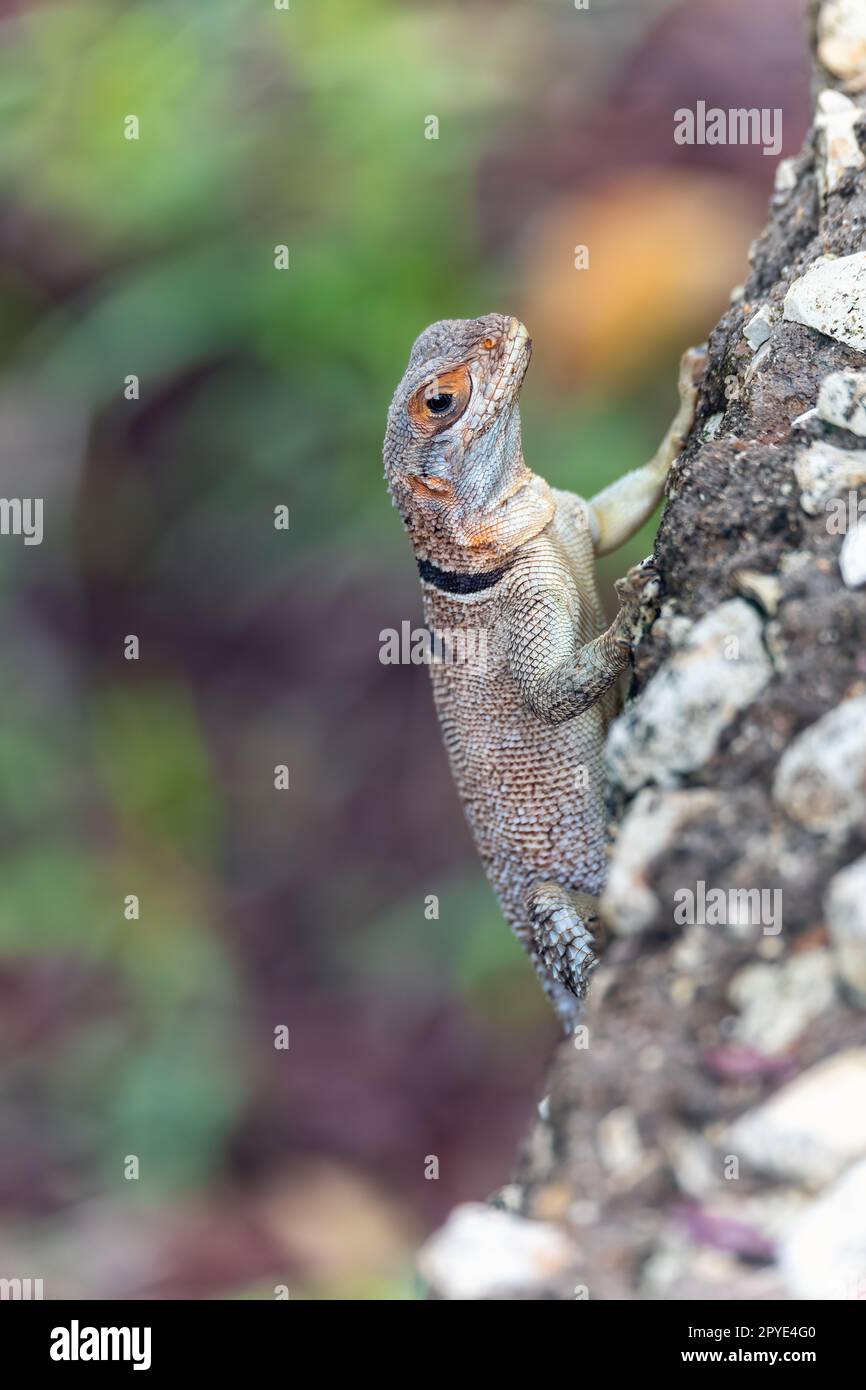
(527, 683)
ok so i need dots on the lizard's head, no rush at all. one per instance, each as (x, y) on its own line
(453, 437)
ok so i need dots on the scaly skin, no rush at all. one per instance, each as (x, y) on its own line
(507, 565)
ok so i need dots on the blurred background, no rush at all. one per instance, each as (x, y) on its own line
(154, 257)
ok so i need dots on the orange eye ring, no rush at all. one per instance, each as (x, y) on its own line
(489, 343)
(441, 401)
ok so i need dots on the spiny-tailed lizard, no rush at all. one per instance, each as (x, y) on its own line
(508, 564)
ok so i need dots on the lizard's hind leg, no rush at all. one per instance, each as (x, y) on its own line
(566, 928)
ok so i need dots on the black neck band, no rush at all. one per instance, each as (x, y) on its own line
(458, 582)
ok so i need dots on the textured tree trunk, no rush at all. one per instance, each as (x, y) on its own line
(705, 1135)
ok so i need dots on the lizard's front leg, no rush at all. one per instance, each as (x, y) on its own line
(622, 508)
(557, 677)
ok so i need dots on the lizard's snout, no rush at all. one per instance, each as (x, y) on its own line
(519, 347)
(520, 344)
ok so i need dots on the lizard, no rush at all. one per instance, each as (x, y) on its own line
(509, 561)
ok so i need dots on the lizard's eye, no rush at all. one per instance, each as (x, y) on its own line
(441, 401)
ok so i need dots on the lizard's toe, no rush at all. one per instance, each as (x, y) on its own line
(693, 365)
(641, 583)
(565, 928)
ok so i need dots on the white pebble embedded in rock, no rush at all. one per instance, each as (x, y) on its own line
(842, 401)
(812, 1128)
(852, 557)
(759, 328)
(785, 178)
(675, 726)
(823, 1254)
(757, 361)
(777, 1002)
(831, 297)
(836, 121)
(820, 781)
(619, 1142)
(652, 826)
(763, 589)
(824, 471)
(845, 907)
(483, 1253)
(842, 40)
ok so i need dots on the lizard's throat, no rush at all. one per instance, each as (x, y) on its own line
(460, 532)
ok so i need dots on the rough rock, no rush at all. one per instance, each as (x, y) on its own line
(846, 922)
(824, 471)
(842, 401)
(820, 781)
(759, 360)
(619, 1143)
(842, 40)
(681, 1272)
(831, 297)
(759, 328)
(836, 123)
(777, 1002)
(652, 825)
(785, 177)
(852, 557)
(763, 589)
(812, 1128)
(485, 1253)
(823, 1255)
(676, 726)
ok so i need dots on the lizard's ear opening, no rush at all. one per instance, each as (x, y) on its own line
(441, 401)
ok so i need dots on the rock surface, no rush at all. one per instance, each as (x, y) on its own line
(825, 471)
(485, 1253)
(821, 778)
(776, 1002)
(837, 123)
(846, 922)
(811, 1129)
(823, 1255)
(654, 823)
(718, 671)
(831, 297)
(852, 557)
(842, 401)
(842, 40)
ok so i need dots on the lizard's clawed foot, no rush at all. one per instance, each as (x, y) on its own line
(693, 364)
(641, 585)
(566, 929)
(638, 593)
